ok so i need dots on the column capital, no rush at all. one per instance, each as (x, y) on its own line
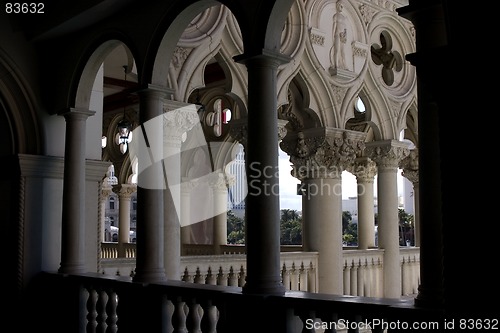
(220, 182)
(125, 191)
(178, 118)
(77, 113)
(364, 168)
(409, 164)
(387, 153)
(323, 152)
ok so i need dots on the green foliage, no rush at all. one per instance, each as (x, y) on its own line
(290, 227)
(235, 229)
(349, 229)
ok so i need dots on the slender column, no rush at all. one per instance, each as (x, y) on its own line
(105, 192)
(262, 217)
(178, 118)
(148, 147)
(186, 187)
(124, 192)
(73, 210)
(410, 171)
(219, 183)
(365, 170)
(319, 157)
(387, 154)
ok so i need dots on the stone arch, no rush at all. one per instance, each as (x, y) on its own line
(19, 129)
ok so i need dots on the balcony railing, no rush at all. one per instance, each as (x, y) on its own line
(363, 269)
(97, 303)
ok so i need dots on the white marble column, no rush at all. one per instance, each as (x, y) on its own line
(219, 183)
(319, 157)
(148, 146)
(262, 217)
(388, 154)
(124, 192)
(365, 170)
(178, 118)
(73, 210)
(410, 171)
(186, 187)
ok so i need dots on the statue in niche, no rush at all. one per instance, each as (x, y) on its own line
(339, 32)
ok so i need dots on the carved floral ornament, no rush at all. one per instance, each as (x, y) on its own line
(325, 155)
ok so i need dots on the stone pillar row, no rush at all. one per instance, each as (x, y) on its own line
(319, 156)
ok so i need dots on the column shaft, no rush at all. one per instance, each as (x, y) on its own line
(388, 229)
(262, 217)
(73, 210)
(150, 187)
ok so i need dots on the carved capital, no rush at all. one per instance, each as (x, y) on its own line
(125, 191)
(322, 152)
(178, 118)
(364, 169)
(388, 153)
(410, 166)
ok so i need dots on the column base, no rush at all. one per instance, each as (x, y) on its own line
(150, 276)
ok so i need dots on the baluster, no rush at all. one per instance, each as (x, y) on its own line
(311, 278)
(210, 278)
(294, 278)
(347, 279)
(361, 281)
(210, 317)
(285, 277)
(302, 277)
(232, 278)
(329, 318)
(91, 310)
(102, 316)
(179, 316)
(198, 278)
(194, 315)
(354, 279)
(241, 277)
(112, 314)
(221, 277)
(307, 317)
(368, 279)
(186, 277)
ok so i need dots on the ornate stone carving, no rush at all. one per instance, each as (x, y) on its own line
(410, 166)
(388, 153)
(364, 169)
(322, 152)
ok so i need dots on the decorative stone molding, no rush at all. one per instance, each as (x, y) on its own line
(125, 191)
(364, 169)
(387, 153)
(178, 118)
(322, 152)
(282, 129)
(220, 182)
(410, 166)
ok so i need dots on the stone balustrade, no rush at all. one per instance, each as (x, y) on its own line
(363, 269)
